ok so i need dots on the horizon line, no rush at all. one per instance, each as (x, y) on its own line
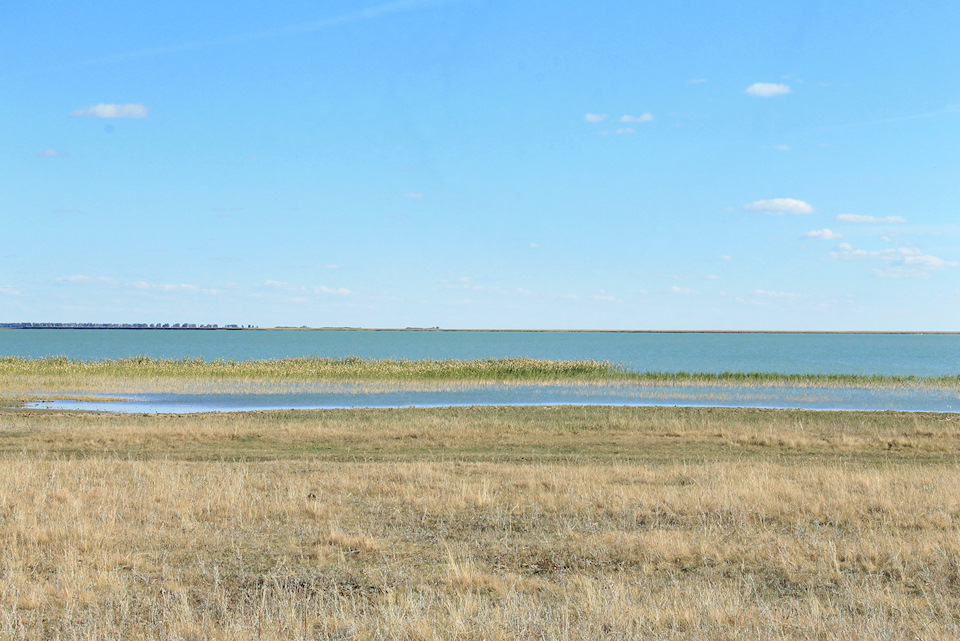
(212, 327)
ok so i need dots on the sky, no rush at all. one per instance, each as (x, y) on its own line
(482, 164)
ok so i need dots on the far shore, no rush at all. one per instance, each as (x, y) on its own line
(118, 326)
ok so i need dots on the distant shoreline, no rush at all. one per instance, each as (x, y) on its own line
(120, 326)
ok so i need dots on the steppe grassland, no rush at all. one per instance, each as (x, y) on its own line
(491, 523)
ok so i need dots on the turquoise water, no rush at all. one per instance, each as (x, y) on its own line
(887, 354)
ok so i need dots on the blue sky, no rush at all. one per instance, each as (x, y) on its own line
(482, 164)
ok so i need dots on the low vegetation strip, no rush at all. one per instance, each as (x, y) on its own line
(480, 523)
(66, 374)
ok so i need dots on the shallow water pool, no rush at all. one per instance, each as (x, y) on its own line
(912, 399)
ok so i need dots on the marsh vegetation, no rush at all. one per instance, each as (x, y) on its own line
(495, 523)
(143, 374)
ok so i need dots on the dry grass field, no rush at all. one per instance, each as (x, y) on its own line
(480, 523)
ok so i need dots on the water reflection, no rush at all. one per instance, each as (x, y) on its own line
(814, 398)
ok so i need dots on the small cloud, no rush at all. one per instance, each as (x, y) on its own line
(463, 282)
(534, 245)
(277, 284)
(914, 267)
(595, 117)
(331, 266)
(767, 89)
(682, 290)
(413, 194)
(697, 81)
(112, 111)
(726, 257)
(342, 291)
(647, 117)
(604, 298)
(166, 287)
(712, 277)
(900, 262)
(823, 234)
(856, 218)
(774, 294)
(931, 262)
(782, 147)
(51, 153)
(780, 206)
(625, 131)
(10, 291)
(173, 287)
(87, 280)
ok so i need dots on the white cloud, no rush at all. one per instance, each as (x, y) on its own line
(856, 218)
(916, 269)
(931, 262)
(87, 280)
(696, 81)
(682, 290)
(647, 117)
(780, 206)
(465, 283)
(277, 284)
(774, 294)
(181, 287)
(10, 291)
(534, 245)
(51, 153)
(824, 234)
(767, 89)
(171, 287)
(625, 131)
(343, 291)
(595, 117)
(900, 262)
(413, 194)
(112, 111)
(726, 257)
(782, 147)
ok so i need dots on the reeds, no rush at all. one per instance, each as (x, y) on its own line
(63, 374)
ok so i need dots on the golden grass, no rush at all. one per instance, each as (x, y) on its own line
(480, 523)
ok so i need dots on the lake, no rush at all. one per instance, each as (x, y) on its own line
(921, 355)
(885, 354)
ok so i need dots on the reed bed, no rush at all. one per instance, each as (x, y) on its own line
(480, 523)
(144, 374)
